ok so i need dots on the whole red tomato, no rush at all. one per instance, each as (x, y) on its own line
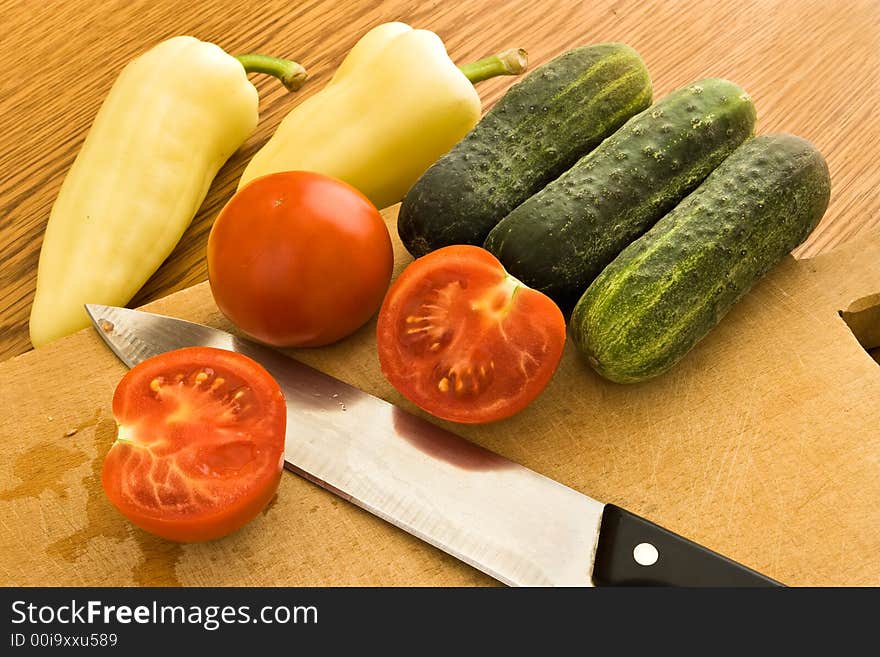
(299, 259)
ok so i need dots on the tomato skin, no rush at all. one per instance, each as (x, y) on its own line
(196, 457)
(299, 259)
(465, 341)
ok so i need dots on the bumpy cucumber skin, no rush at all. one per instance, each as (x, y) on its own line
(666, 290)
(535, 132)
(562, 237)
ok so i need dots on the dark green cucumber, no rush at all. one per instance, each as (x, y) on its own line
(562, 237)
(667, 289)
(536, 131)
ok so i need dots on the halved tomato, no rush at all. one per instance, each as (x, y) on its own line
(466, 341)
(200, 443)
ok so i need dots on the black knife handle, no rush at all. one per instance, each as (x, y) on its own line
(671, 560)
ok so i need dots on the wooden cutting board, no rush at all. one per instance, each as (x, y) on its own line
(763, 444)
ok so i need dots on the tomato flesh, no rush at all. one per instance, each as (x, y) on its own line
(464, 340)
(200, 443)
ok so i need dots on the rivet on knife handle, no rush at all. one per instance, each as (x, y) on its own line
(635, 552)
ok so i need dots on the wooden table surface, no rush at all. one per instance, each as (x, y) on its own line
(810, 65)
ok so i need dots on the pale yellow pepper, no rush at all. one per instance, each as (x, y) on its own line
(395, 105)
(171, 119)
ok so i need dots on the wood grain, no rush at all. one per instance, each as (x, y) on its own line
(761, 444)
(812, 67)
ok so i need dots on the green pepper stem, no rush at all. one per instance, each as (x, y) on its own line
(291, 74)
(508, 62)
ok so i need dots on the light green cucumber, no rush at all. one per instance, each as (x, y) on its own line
(667, 289)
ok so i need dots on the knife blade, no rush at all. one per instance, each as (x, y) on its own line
(500, 517)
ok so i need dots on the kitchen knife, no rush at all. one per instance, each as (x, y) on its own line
(500, 517)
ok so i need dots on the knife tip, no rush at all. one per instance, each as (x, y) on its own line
(93, 310)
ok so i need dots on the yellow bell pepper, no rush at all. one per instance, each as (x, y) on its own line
(171, 119)
(394, 106)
